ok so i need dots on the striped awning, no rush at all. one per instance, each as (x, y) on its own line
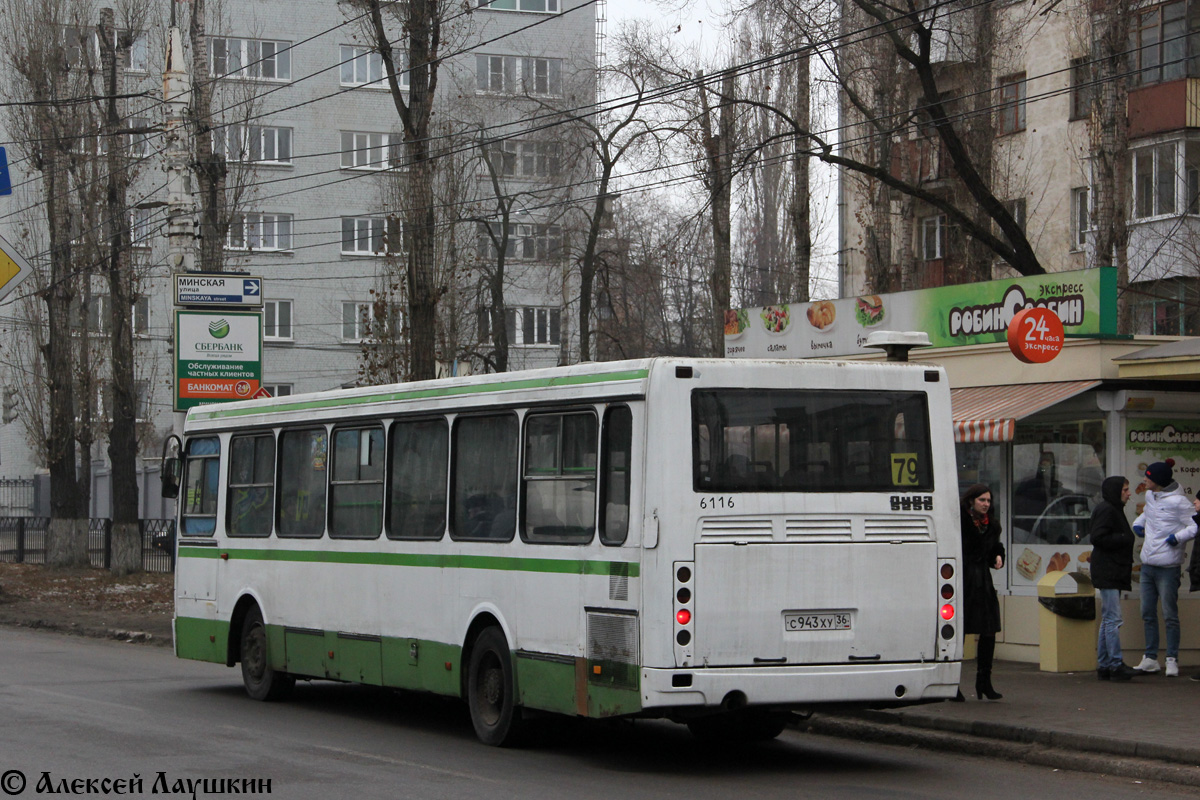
(990, 413)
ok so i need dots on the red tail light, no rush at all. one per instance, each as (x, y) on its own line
(947, 612)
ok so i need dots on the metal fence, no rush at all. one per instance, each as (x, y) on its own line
(16, 497)
(23, 541)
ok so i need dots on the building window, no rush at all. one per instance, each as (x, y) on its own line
(362, 150)
(933, 237)
(360, 321)
(529, 327)
(141, 226)
(250, 58)
(363, 66)
(257, 144)
(369, 236)
(525, 242)
(279, 389)
(539, 6)
(139, 140)
(277, 320)
(260, 232)
(1159, 39)
(534, 160)
(1079, 217)
(517, 75)
(1016, 208)
(1011, 104)
(99, 318)
(1081, 88)
(1154, 174)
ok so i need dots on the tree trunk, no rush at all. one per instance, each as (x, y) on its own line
(211, 168)
(1109, 140)
(65, 545)
(122, 438)
(718, 147)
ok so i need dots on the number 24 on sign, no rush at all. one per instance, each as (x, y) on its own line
(1035, 335)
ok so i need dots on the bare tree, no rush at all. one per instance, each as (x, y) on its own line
(419, 27)
(45, 53)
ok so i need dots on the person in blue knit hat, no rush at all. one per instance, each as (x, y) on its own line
(1166, 524)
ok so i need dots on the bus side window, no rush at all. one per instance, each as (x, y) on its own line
(251, 498)
(303, 458)
(356, 486)
(485, 478)
(560, 478)
(616, 455)
(420, 456)
(201, 482)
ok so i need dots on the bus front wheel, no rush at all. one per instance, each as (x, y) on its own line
(261, 681)
(491, 691)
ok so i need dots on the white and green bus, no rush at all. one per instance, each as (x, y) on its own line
(717, 542)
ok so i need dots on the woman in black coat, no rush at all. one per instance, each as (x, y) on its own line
(982, 552)
(1112, 570)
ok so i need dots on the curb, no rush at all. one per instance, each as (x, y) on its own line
(1079, 752)
(132, 637)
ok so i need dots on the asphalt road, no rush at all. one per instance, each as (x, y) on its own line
(89, 709)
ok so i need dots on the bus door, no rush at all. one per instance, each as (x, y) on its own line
(197, 557)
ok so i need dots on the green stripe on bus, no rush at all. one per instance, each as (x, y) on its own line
(419, 394)
(439, 561)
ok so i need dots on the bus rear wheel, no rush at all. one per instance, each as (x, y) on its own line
(261, 681)
(739, 727)
(491, 691)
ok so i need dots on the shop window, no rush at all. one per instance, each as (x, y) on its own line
(1057, 471)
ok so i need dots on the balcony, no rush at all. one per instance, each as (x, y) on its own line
(1164, 107)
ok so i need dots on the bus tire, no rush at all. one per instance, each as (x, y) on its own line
(491, 691)
(261, 681)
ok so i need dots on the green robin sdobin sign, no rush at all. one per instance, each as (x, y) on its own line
(218, 357)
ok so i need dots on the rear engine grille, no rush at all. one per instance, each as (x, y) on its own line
(893, 529)
(726, 529)
(612, 646)
(819, 529)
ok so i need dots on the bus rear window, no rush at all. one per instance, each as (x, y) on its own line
(785, 440)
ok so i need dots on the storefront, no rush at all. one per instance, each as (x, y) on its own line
(1043, 436)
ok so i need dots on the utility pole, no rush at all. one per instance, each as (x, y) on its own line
(181, 208)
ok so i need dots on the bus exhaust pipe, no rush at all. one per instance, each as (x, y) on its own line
(734, 701)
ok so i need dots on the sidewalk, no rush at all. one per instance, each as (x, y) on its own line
(1147, 728)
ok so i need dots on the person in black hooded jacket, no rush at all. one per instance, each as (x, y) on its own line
(1112, 571)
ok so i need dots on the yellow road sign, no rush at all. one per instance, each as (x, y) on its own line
(13, 268)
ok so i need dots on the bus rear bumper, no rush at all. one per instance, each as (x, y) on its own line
(800, 686)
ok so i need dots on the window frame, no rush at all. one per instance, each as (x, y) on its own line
(1156, 188)
(188, 460)
(939, 229)
(1082, 89)
(237, 143)
(349, 55)
(455, 448)
(261, 219)
(1010, 106)
(333, 482)
(248, 64)
(390, 487)
(389, 228)
(389, 146)
(279, 494)
(491, 5)
(1081, 217)
(230, 485)
(272, 307)
(526, 478)
(602, 491)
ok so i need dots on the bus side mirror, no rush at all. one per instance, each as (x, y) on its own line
(171, 467)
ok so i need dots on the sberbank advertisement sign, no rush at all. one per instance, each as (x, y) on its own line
(218, 357)
(972, 313)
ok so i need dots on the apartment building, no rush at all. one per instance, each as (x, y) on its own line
(316, 172)
(1018, 78)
